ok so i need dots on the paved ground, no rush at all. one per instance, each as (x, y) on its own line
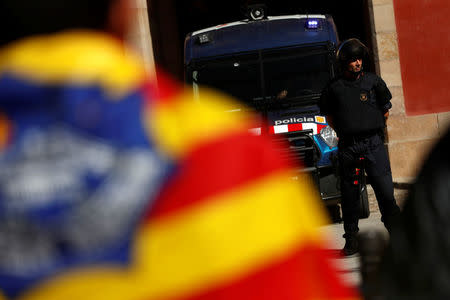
(350, 267)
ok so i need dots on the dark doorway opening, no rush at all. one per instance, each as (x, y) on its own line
(172, 20)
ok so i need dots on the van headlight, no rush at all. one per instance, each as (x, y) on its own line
(329, 136)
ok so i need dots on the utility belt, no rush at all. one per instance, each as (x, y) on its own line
(347, 139)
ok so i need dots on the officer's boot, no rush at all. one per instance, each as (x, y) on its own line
(351, 244)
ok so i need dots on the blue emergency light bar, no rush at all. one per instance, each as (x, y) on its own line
(312, 24)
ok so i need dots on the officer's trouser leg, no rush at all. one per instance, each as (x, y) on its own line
(380, 177)
(349, 191)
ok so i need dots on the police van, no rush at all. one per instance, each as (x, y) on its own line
(277, 66)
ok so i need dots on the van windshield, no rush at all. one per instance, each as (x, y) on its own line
(238, 76)
(293, 74)
(285, 74)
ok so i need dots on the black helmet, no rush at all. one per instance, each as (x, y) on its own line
(351, 49)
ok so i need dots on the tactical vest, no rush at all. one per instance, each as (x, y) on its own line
(356, 109)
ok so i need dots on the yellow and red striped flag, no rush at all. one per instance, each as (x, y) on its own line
(228, 222)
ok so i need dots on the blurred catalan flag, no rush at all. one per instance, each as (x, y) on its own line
(226, 220)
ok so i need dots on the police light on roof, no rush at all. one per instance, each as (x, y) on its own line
(312, 24)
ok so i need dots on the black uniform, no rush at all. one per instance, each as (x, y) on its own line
(357, 108)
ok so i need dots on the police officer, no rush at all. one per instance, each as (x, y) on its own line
(357, 104)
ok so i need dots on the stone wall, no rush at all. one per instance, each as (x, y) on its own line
(409, 137)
